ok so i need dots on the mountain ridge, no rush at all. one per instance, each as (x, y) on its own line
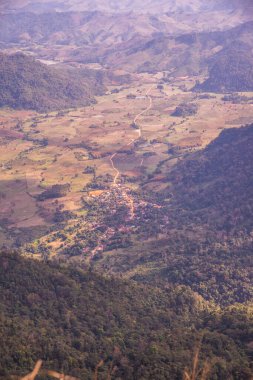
(157, 6)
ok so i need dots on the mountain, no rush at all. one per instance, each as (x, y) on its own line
(81, 29)
(134, 42)
(216, 184)
(72, 319)
(212, 191)
(90, 28)
(151, 6)
(182, 54)
(30, 84)
(112, 6)
(131, 41)
(84, 23)
(156, 6)
(230, 70)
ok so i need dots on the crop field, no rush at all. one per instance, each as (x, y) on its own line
(73, 148)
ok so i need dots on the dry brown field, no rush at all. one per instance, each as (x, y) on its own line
(42, 150)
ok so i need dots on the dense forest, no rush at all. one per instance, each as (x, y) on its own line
(230, 70)
(215, 184)
(72, 319)
(29, 84)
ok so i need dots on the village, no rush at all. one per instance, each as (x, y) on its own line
(114, 218)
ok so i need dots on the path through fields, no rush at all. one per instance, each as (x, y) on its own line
(117, 172)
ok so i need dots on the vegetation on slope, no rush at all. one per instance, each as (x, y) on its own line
(216, 184)
(72, 319)
(29, 84)
(230, 70)
(212, 206)
(207, 243)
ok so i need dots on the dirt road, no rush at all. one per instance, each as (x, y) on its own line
(117, 172)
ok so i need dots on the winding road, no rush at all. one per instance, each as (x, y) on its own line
(117, 172)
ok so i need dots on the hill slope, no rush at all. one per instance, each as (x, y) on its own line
(184, 53)
(208, 207)
(216, 183)
(72, 319)
(29, 84)
(230, 70)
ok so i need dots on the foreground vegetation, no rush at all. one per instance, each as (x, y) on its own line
(72, 319)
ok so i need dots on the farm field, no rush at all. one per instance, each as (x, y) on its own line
(53, 165)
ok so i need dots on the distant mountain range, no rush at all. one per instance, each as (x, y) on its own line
(144, 43)
(151, 6)
(134, 43)
(154, 6)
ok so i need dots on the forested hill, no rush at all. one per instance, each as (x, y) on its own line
(230, 70)
(29, 84)
(216, 184)
(72, 319)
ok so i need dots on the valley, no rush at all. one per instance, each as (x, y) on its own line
(108, 156)
(126, 202)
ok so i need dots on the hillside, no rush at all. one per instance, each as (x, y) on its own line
(72, 319)
(212, 195)
(29, 84)
(207, 243)
(183, 52)
(216, 183)
(191, 53)
(230, 70)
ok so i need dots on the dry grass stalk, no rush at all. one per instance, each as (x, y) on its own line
(34, 373)
(37, 370)
(195, 373)
(111, 370)
(58, 375)
(97, 368)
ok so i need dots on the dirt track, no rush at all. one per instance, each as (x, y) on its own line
(117, 172)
